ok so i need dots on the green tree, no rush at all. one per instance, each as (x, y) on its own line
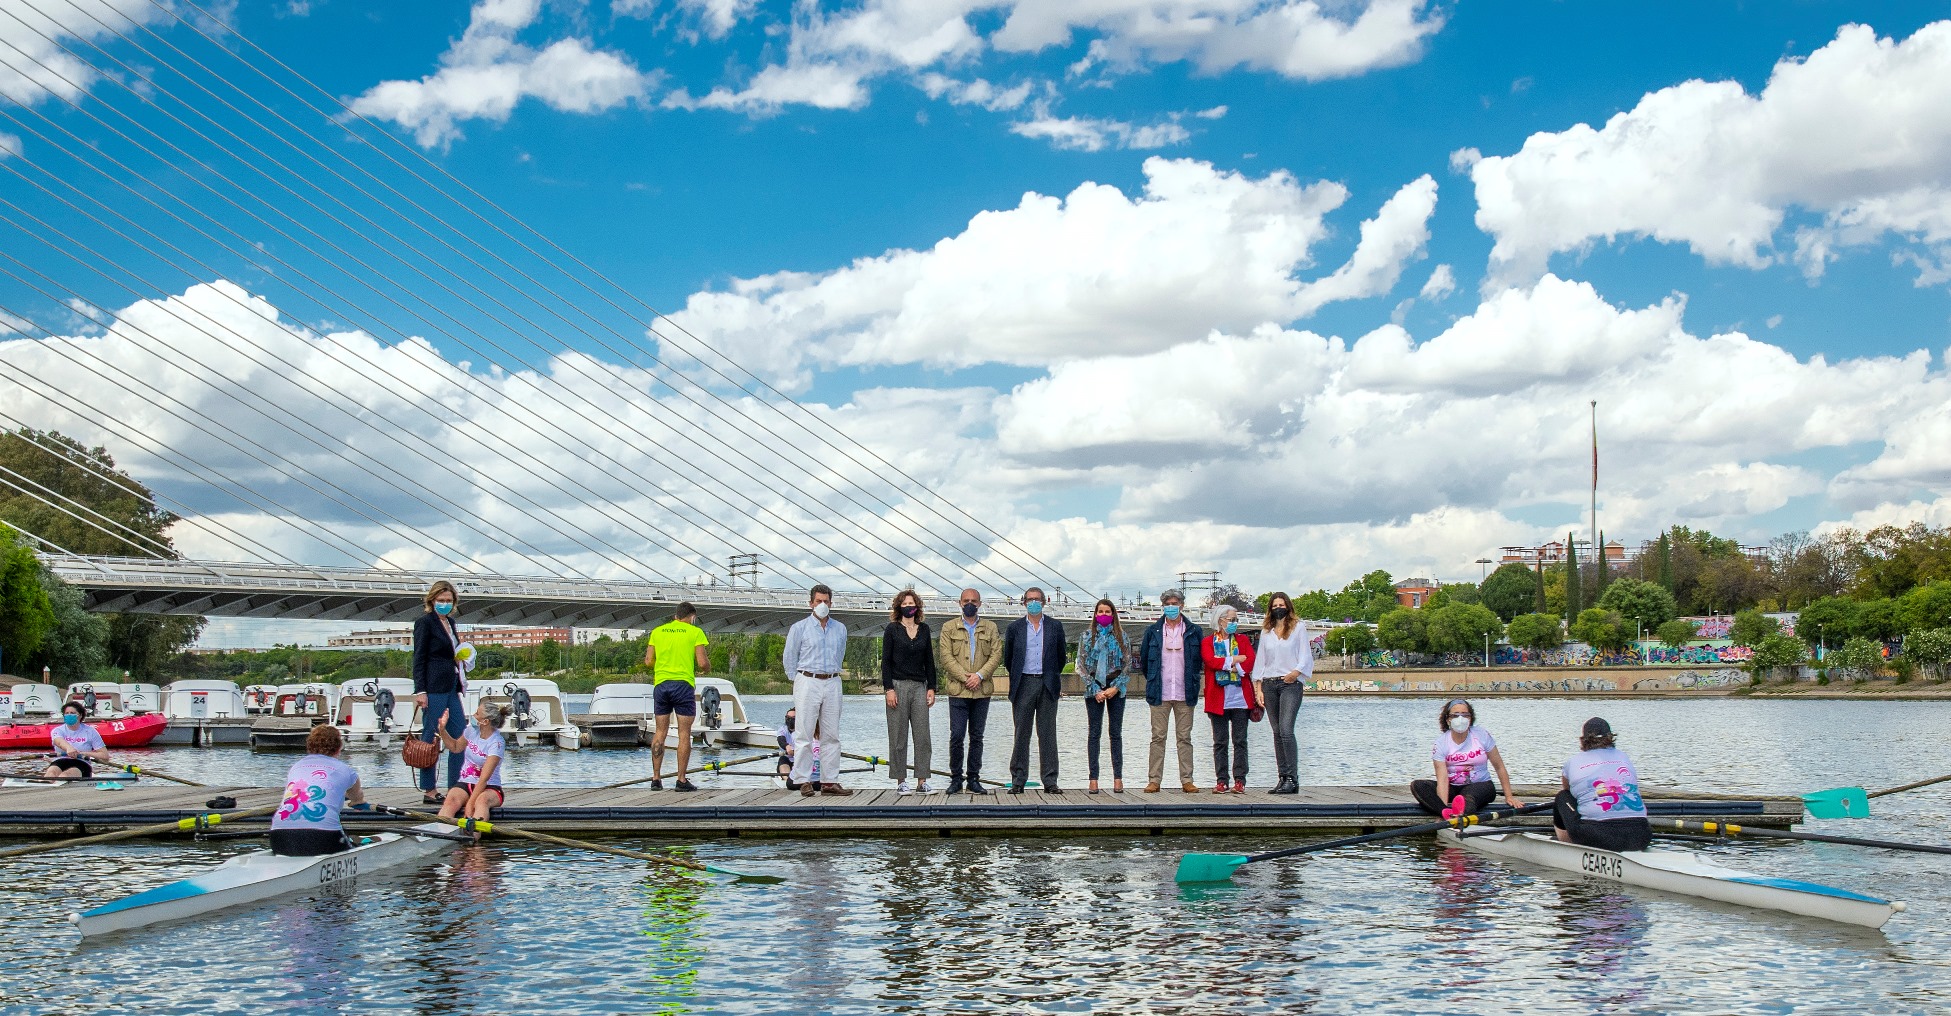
(1778, 651)
(1511, 590)
(1601, 571)
(1677, 632)
(1536, 631)
(1574, 603)
(1403, 629)
(1541, 604)
(1861, 657)
(74, 646)
(1878, 619)
(549, 656)
(1601, 629)
(1751, 626)
(1665, 577)
(1927, 606)
(1464, 592)
(1828, 621)
(1890, 561)
(1460, 628)
(26, 615)
(1930, 647)
(1313, 605)
(1642, 602)
(1349, 640)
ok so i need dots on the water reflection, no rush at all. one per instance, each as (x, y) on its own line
(1602, 939)
(673, 932)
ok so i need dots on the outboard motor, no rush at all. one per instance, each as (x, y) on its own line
(519, 704)
(709, 702)
(88, 697)
(383, 709)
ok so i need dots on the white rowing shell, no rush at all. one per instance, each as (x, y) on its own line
(258, 875)
(1686, 873)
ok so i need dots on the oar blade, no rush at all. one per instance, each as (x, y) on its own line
(1208, 867)
(746, 877)
(1842, 802)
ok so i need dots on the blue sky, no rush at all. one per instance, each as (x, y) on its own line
(1338, 278)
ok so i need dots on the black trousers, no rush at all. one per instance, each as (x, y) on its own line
(308, 842)
(1476, 796)
(1034, 708)
(968, 719)
(1606, 834)
(1230, 726)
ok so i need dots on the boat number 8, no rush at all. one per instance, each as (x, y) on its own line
(338, 868)
(1603, 865)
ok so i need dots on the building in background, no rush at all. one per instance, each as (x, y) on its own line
(402, 638)
(1413, 593)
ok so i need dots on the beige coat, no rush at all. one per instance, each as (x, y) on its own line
(952, 657)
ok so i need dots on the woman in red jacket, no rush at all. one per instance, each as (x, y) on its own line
(1230, 703)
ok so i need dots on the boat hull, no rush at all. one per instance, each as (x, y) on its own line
(127, 732)
(256, 876)
(1685, 873)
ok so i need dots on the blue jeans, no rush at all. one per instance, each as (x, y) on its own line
(450, 702)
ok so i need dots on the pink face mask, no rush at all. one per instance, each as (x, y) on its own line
(1104, 620)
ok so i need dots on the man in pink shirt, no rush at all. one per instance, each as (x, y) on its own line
(1169, 654)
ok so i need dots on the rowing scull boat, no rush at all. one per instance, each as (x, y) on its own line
(1686, 873)
(260, 875)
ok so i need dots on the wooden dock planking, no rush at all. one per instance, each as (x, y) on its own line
(870, 812)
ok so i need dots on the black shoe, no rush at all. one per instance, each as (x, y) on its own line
(955, 786)
(685, 786)
(1016, 788)
(977, 788)
(1286, 787)
(656, 784)
(1048, 789)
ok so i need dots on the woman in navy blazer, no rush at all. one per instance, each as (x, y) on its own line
(437, 679)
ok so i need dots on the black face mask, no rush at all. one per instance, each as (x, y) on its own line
(970, 609)
(910, 610)
(1278, 613)
(789, 723)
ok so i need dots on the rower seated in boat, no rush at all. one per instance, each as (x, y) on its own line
(317, 788)
(1463, 755)
(482, 749)
(1600, 804)
(75, 744)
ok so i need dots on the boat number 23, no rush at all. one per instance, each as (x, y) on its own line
(1603, 865)
(338, 868)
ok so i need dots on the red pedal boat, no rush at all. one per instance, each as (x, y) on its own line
(127, 732)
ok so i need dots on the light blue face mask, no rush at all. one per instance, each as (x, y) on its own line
(1171, 612)
(1232, 627)
(71, 719)
(1035, 607)
(443, 609)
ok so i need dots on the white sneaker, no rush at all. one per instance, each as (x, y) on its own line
(904, 789)
(924, 788)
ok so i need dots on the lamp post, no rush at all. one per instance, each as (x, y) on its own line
(1483, 571)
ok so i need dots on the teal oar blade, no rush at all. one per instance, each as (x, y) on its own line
(1208, 867)
(744, 877)
(1842, 802)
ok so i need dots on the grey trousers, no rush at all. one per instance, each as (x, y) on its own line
(910, 714)
(1283, 707)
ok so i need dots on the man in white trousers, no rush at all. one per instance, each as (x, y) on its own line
(815, 648)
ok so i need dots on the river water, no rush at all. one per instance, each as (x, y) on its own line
(1054, 925)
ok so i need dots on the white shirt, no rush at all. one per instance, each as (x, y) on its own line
(1282, 656)
(814, 648)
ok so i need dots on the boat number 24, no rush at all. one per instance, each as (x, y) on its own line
(1603, 865)
(338, 868)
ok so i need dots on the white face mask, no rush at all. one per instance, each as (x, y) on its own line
(820, 610)
(1459, 723)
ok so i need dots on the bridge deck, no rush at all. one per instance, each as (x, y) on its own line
(766, 812)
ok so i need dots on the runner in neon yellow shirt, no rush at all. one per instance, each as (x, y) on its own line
(676, 656)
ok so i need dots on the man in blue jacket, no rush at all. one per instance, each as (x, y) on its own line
(1174, 674)
(1033, 653)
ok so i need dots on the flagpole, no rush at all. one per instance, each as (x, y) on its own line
(1600, 551)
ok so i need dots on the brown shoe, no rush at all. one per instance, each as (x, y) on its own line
(808, 789)
(1151, 788)
(1189, 787)
(834, 790)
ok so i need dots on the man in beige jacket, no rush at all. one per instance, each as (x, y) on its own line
(967, 652)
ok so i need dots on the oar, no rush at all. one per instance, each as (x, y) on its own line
(877, 760)
(1909, 786)
(479, 826)
(708, 767)
(140, 771)
(1729, 829)
(1220, 867)
(1853, 802)
(193, 824)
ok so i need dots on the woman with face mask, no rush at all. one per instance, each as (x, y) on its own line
(1101, 657)
(1463, 756)
(908, 673)
(1230, 699)
(75, 743)
(437, 684)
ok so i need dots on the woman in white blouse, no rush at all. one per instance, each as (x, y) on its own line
(1285, 660)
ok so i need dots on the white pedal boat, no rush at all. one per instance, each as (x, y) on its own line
(1686, 873)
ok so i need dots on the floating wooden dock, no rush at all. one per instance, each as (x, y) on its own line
(870, 813)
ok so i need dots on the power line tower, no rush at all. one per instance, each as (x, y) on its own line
(745, 566)
(1206, 582)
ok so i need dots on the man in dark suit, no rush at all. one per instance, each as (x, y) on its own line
(1033, 653)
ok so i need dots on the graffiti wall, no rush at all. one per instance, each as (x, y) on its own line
(1722, 653)
(1701, 679)
(1725, 677)
(1571, 654)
